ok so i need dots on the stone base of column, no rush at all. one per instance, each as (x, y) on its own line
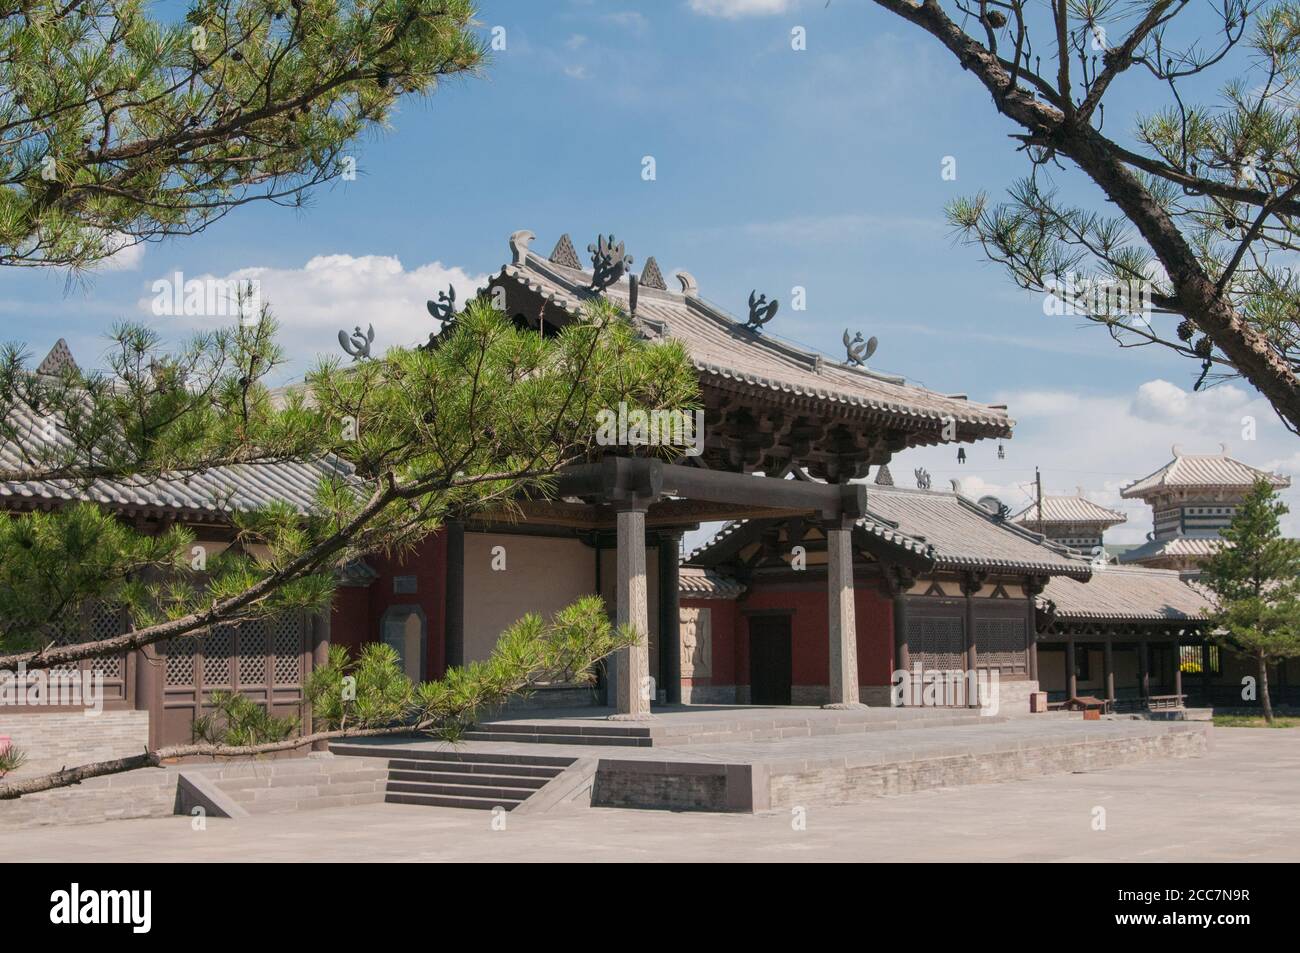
(631, 716)
(844, 706)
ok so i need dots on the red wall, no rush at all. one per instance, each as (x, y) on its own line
(723, 621)
(810, 648)
(358, 612)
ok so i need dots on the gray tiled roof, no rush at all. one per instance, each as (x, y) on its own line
(1172, 546)
(721, 349)
(959, 534)
(1209, 471)
(210, 493)
(1126, 592)
(694, 582)
(948, 530)
(1068, 509)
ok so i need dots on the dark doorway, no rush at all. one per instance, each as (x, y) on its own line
(769, 660)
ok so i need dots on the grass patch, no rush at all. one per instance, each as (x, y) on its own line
(1255, 721)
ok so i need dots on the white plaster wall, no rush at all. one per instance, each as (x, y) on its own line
(541, 575)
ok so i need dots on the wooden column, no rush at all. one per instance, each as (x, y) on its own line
(902, 653)
(896, 581)
(320, 655)
(149, 664)
(454, 600)
(670, 618)
(842, 623)
(1144, 670)
(1178, 670)
(632, 665)
(970, 584)
(1071, 678)
(1108, 664)
(1033, 586)
(1205, 671)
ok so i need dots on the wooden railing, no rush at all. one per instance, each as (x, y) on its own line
(1165, 702)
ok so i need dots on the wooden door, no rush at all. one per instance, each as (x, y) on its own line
(769, 660)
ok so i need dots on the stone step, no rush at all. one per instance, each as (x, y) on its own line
(469, 779)
(425, 754)
(501, 793)
(451, 800)
(550, 728)
(542, 772)
(626, 741)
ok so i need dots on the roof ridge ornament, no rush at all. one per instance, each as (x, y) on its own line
(761, 311)
(690, 287)
(358, 346)
(608, 262)
(519, 245)
(858, 351)
(565, 255)
(651, 276)
(444, 311)
(58, 360)
(922, 478)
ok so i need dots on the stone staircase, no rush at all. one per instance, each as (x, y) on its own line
(464, 779)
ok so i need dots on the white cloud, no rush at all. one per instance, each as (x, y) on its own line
(735, 9)
(628, 19)
(126, 255)
(1102, 443)
(338, 292)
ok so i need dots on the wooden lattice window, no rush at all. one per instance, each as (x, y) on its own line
(1000, 644)
(287, 641)
(218, 650)
(107, 621)
(939, 640)
(179, 667)
(254, 641)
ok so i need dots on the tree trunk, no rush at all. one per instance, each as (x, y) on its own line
(1263, 689)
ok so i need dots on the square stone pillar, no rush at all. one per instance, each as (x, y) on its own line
(842, 623)
(632, 664)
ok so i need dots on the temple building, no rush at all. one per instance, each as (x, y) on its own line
(771, 412)
(817, 590)
(941, 584)
(1192, 498)
(1073, 521)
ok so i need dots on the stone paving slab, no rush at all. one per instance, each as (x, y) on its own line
(670, 720)
(834, 749)
(1237, 803)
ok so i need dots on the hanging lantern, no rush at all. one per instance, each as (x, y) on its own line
(1002, 452)
(961, 454)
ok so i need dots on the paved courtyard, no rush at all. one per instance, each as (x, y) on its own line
(1241, 802)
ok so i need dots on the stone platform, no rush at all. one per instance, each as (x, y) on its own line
(743, 759)
(674, 725)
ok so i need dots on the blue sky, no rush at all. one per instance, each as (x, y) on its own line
(774, 168)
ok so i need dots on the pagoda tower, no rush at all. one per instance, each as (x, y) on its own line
(1192, 498)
